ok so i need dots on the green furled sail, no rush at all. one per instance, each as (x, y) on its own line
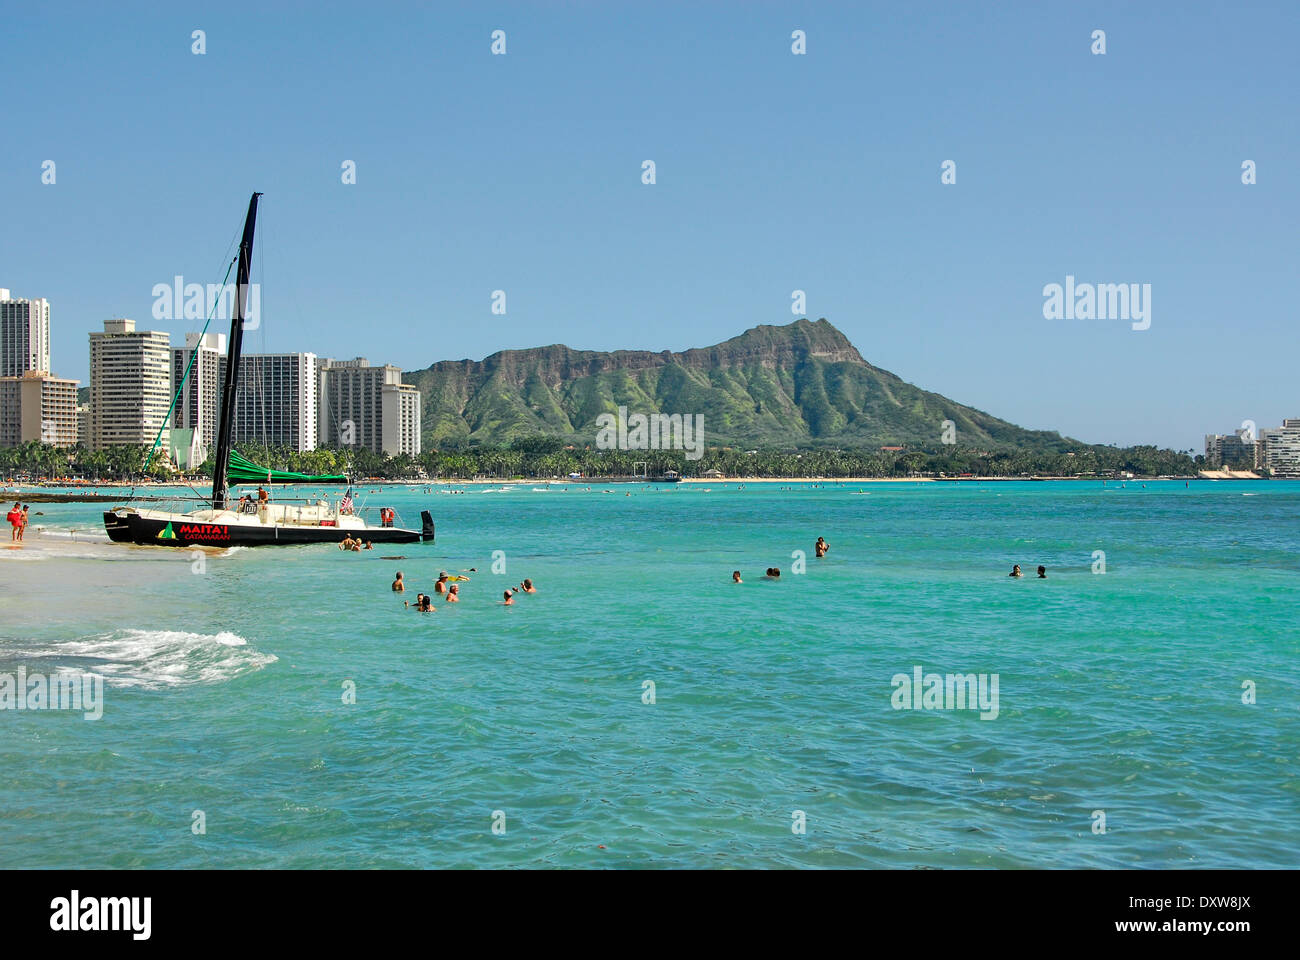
(243, 470)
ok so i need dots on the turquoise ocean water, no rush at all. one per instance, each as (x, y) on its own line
(1118, 692)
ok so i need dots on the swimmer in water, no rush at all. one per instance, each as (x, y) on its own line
(1015, 571)
(1042, 573)
(735, 577)
(508, 599)
(440, 586)
(773, 573)
(453, 594)
(398, 585)
(527, 586)
(821, 547)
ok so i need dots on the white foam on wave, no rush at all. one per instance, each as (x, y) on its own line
(148, 659)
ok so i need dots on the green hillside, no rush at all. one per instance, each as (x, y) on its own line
(803, 384)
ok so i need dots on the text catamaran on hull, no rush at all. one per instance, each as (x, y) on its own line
(259, 523)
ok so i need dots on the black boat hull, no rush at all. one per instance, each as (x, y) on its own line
(151, 531)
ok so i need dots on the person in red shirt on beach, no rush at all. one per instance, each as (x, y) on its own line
(15, 518)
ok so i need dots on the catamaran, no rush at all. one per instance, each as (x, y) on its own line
(260, 520)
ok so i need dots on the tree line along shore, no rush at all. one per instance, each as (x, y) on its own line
(547, 458)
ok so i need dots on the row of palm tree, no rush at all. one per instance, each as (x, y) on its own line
(553, 459)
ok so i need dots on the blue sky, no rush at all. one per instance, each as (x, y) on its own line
(775, 172)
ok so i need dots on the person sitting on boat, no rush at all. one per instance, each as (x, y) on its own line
(262, 496)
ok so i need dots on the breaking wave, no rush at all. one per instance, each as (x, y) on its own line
(147, 659)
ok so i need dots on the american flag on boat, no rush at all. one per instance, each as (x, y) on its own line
(345, 506)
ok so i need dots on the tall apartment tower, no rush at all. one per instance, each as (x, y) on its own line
(1282, 449)
(130, 385)
(24, 335)
(276, 403)
(366, 406)
(199, 406)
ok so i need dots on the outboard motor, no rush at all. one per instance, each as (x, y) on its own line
(426, 526)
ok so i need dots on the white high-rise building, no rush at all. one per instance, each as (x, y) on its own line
(24, 335)
(276, 402)
(130, 386)
(366, 406)
(401, 419)
(199, 406)
(1281, 449)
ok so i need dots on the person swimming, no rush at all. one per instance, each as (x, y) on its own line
(453, 594)
(773, 573)
(1042, 573)
(398, 585)
(527, 586)
(735, 577)
(507, 600)
(1015, 571)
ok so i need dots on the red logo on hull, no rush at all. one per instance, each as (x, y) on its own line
(198, 531)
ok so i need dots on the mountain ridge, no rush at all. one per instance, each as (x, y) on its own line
(798, 384)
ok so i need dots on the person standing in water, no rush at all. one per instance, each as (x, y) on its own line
(735, 577)
(398, 585)
(508, 599)
(1015, 571)
(1042, 573)
(821, 548)
(453, 593)
(440, 586)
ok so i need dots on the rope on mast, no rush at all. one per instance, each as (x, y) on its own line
(188, 367)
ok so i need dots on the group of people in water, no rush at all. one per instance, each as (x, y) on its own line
(448, 587)
(820, 549)
(17, 518)
(1015, 572)
(355, 545)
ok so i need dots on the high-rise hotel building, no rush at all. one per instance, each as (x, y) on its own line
(1281, 449)
(24, 335)
(370, 407)
(130, 385)
(276, 402)
(199, 405)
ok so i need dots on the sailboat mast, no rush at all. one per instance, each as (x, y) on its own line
(220, 488)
